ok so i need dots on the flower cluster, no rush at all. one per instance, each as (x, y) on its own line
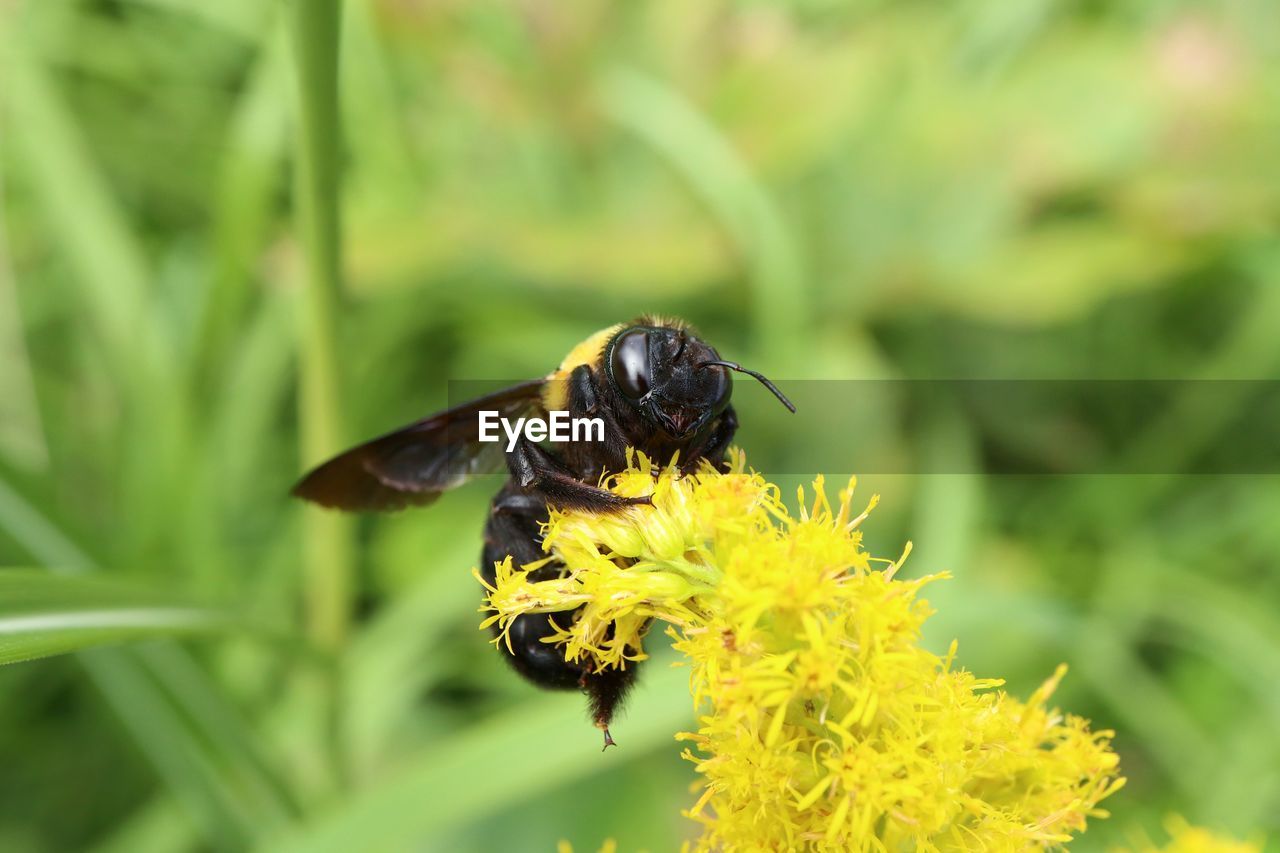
(823, 724)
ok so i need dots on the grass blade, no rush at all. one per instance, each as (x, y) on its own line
(37, 535)
(491, 766)
(249, 177)
(43, 614)
(164, 737)
(21, 435)
(166, 724)
(723, 182)
(110, 265)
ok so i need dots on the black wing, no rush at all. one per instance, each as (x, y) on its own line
(416, 464)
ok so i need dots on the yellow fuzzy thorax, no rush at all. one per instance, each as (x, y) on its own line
(555, 396)
(555, 393)
(823, 723)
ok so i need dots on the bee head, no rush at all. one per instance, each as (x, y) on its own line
(677, 382)
(656, 370)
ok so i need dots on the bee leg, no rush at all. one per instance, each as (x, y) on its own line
(583, 397)
(715, 444)
(517, 503)
(532, 467)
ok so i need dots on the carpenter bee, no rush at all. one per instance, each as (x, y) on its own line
(656, 386)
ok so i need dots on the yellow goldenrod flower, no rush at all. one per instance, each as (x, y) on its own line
(1184, 838)
(823, 723)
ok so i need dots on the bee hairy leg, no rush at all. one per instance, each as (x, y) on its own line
(519, 503)
(715, 444)
(533, 468)
(583, 396)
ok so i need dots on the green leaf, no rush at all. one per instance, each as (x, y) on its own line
(706, 160)
(491, 766)
(177, 728)
(43, 614)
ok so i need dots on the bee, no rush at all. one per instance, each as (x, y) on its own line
(657, 387)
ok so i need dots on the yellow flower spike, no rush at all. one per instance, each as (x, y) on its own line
(617, 535)
(822, 722)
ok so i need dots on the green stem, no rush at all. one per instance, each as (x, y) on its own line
(328, 543)
(315, 27)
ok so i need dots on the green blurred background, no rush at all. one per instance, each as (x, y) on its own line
(858, 189)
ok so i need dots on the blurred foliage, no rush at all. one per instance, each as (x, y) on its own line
(858, 189)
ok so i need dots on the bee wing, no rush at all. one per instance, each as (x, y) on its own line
(414, 465)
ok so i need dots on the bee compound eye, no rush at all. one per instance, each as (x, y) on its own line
(629, 363)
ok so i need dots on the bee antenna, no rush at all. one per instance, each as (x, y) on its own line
(764, 380)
